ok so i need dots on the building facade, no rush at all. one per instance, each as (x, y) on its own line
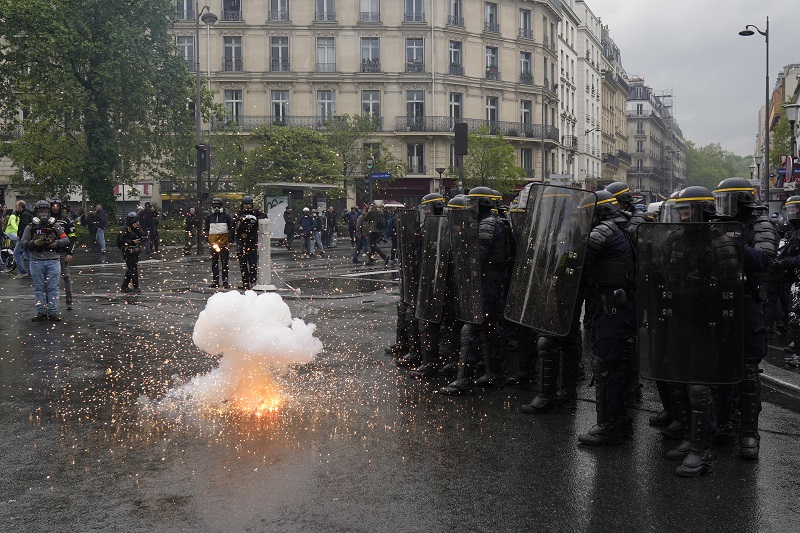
(614, 129)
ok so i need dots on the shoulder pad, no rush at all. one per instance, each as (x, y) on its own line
(765, 236)
(600, 234)
(486, 228)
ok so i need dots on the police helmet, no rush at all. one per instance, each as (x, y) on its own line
(131, 219)
(604, 203)
(791, 209)
(621, 192)
(432, 204)
(692, 204)
(458, 201)
(482, 197)
(732, 194)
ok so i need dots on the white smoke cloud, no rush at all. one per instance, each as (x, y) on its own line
(257, 336)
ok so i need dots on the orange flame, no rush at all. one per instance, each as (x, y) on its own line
(257, 393)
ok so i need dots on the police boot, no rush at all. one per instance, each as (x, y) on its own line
(700, 457)
(607, 431)
(425, 370)
(631, 387)
(463, 383)
(546, 401)
(722, 395)
(684, 412)
(664, 417)
(750, 406)
(410, 360)
(678, 396)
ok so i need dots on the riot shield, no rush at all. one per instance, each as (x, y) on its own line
(690, 302)
(547, 270)
(433, 268)
(467, 265)
(408, 246)
(517, 217)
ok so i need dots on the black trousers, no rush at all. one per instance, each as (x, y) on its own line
(132, 270)
(216, 258)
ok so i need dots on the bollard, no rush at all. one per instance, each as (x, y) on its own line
(264, 282)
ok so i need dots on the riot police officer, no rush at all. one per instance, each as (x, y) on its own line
(735, 198)
(787, 268)
(68, 251)
(246, 237)
(609, 282)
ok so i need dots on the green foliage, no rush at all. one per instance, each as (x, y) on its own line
(492, 162)
(708, 165)
(781, 139)
(105, 82)
(292, 154)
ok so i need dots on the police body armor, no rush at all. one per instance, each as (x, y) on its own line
(690, 302)
(547, 271)
(408, 245)
(467, 265)
(433, 268)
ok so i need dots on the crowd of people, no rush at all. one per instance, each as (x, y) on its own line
(485, 288)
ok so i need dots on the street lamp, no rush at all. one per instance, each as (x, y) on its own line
(752, 169)
(440, 171)
(793, 114)
(208, 19)
(746, 32)
(757, 159)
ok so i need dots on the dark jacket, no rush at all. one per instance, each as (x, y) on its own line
(126, 243)
(306, 224)
(147, 219)
(190, 222)
(25, 218)
(100, 219)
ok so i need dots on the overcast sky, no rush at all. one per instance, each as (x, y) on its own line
(693, 47)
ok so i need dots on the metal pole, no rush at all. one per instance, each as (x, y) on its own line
(765, 183)
(198, 136)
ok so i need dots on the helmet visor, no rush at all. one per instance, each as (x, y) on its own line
(791, 211)
(727, 204)
(675, 212)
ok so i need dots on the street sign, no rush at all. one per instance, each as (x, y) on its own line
(380, 175)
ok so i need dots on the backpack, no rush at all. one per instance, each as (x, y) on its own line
(120, 242)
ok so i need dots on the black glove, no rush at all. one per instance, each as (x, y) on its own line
(40, 241)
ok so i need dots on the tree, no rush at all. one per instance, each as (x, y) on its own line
(102, 73)
(781, 139)
(287, 153)
(491, 162)
(708, 165)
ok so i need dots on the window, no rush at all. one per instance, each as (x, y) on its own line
(492, 72)
(415, 158)
(414, 11)
(526, 68)
(526, 111)
(371, 103)
(639, 147)
(415, 110)
(526, 160)
(186, 50)
(640, 109)
(326, 54)
(415, 55)
(640, 126)
(279, 53)
(326, 11)
(234, 104)
(370, 54)
(455, 16)
(185, 10)
(525, 23)
(232, 10)
(490, 18)
(456, 101)
(453, 158)
(232, 59)
(370, 11)
(326, 104)
(280, 106)
(278, 9)
(491, 112)
(456, 58)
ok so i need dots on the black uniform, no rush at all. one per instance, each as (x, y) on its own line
(130, 242)
(246, 236)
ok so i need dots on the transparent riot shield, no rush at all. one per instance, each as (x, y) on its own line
(466, 264)
(552, 247)
(690, 302)
(433, 268)
(408, 248)
(517, 218)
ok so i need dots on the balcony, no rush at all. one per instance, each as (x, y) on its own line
(610, 159)
(279, 65)
(414, 168)
(414, 17)
(252, 122)
(282, 15)
(191, 65)
(415, 66)
(495, 127)
(326, 67)
(8, 133)
(491, 27)
(327, 16)
(526, 78)
(232, 65)
(625, 157)
(455, 21)
(526, 33)
(232, 15)
(369, 16)
(185, 14)
(492, 74)
(370, 65)
(456, 70)
(570, 142)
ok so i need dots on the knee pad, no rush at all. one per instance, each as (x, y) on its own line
(599, 366)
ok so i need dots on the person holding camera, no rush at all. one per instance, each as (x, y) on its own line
(42, 238)
(131, 241)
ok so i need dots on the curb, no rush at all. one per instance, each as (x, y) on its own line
(780, 379)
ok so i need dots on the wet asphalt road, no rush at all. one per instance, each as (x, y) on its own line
(358, 446)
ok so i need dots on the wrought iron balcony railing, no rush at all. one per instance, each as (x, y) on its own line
(492, 27)
(456, 70)
(370, 65)
(232, 14)
(492, 74)
(527, 33)
(414, 17)
(279, 65)
(455, 21)
(326, 67)
(280, 15)
(413, 168)
(252, 122)
(526, 78)
(185, 14)
(232, 65)
(325, 17)
(494, 127)
(415, 66)
(369, 16)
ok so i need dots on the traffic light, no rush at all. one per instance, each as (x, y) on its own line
(203, 157)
